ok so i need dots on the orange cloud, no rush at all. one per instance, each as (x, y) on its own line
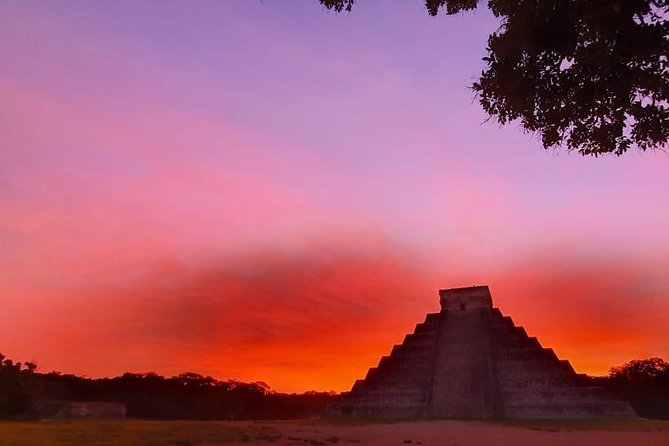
(316, 316)
(595, 311)
(312, 318)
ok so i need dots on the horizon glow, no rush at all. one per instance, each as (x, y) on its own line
(271, 192)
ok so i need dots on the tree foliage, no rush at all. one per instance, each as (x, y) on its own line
(642, 370)
(588, 75)
(24, 392)
(645, 384)
(19, 387)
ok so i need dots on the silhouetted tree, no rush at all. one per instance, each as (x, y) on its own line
(589, 75)
(19, 387)
(642, 370)
(149, 395)
(644, 383)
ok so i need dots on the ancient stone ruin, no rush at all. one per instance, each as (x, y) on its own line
(56, 409)
(470, 361)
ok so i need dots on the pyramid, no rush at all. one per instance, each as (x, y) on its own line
(469, 361)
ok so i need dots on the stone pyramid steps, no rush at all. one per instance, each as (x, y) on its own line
(471, 361)
(595, 393)
(534, 382)
(581, 409)
(401, 379)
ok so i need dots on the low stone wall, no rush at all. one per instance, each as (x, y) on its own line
(81, 409)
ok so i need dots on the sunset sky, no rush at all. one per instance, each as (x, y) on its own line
(265, 190)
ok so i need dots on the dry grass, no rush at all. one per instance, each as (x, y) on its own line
(308, 432)
(350, 421)
(634, 424)
(124, 433)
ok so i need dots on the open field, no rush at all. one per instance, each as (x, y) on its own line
(334, 431)
(125, 433)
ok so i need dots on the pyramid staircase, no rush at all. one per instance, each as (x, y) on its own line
(471, 362)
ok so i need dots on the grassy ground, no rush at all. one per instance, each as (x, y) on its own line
(350, 421)
(310, 432)
(635, 424)
(124, 433)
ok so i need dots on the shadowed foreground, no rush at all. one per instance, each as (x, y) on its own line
(328, 432)
(123, 433)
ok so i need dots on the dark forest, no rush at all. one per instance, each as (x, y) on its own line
(191, 396)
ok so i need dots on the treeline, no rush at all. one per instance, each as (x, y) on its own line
(642, 382)
(19, 387)
(152, 396)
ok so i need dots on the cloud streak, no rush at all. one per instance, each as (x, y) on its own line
(212, 187)
(283, 317)
(317, 317)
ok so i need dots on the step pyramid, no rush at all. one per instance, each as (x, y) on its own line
(469, 361)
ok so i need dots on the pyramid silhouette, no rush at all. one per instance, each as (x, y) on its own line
(470, 361)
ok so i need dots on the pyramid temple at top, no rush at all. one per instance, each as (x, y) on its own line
(470, 361)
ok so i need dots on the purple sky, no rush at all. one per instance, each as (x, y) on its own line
(143, 142)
